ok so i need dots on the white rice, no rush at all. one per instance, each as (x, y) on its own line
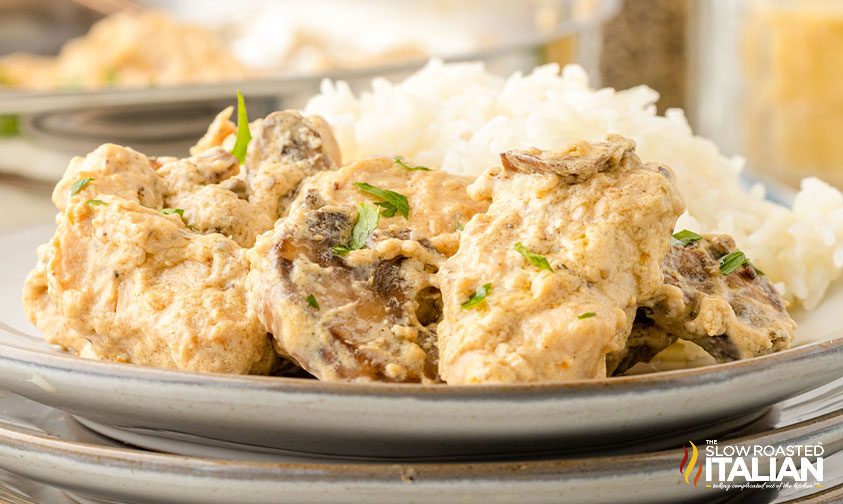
(460, 117)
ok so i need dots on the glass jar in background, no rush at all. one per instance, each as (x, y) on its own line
(768, 85)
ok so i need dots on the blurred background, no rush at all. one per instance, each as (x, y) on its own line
(759, 77)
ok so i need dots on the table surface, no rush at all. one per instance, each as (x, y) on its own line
(24, 203)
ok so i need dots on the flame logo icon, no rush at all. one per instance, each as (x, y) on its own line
(687, 470)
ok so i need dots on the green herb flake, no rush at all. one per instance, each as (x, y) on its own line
(244, 136)
(731, 262)
(368, 218)
(478, 297)
(403, 164)
(460, 227)
(9, 125)
(367, 221)
(586, 315)
(536, 260)
(175, 211)
(392, 201)
(95, 202)
(311, 302)
(79, 185)
(686, 237)
(387, 208)
(341, 250)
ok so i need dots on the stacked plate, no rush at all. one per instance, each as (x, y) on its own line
(224, 439)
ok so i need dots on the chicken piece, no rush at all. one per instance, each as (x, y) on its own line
(44, 313)
(220, 129)
(41, 310)
(138, 286)
(600, 218)
(113, 170)
(438, 200)
(370, 315)
(213, 197)
(217, 209)
(217, 198)
(211, 166)
(286, 148)
(205, 186)
(211, 192)
(732, 317)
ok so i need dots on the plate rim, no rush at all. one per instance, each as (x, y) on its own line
(17, 437)
(677, 378)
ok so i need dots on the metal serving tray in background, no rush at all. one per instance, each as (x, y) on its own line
(50, 127)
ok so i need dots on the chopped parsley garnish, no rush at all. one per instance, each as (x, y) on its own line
(9, 125)
(460, 227)
(477, 297)
(387, 208)
(686, 237)
(537, 260)
(732, 261)
(95, 202)
(244, 136)
(583, 316)
(403, 164)
(175, 211)
(392, 201)
(311, 302)
(79, 185)
(367, 221)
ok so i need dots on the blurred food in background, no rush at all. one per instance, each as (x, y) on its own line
(768, 85)
(152, 73)
(162, 43)
(759, 77)
(137, 49)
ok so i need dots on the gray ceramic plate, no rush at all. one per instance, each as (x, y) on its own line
(48, 447)
(394, 421)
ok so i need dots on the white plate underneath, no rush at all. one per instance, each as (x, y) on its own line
(397, 421)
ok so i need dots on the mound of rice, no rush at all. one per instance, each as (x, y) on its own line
(460, 117)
